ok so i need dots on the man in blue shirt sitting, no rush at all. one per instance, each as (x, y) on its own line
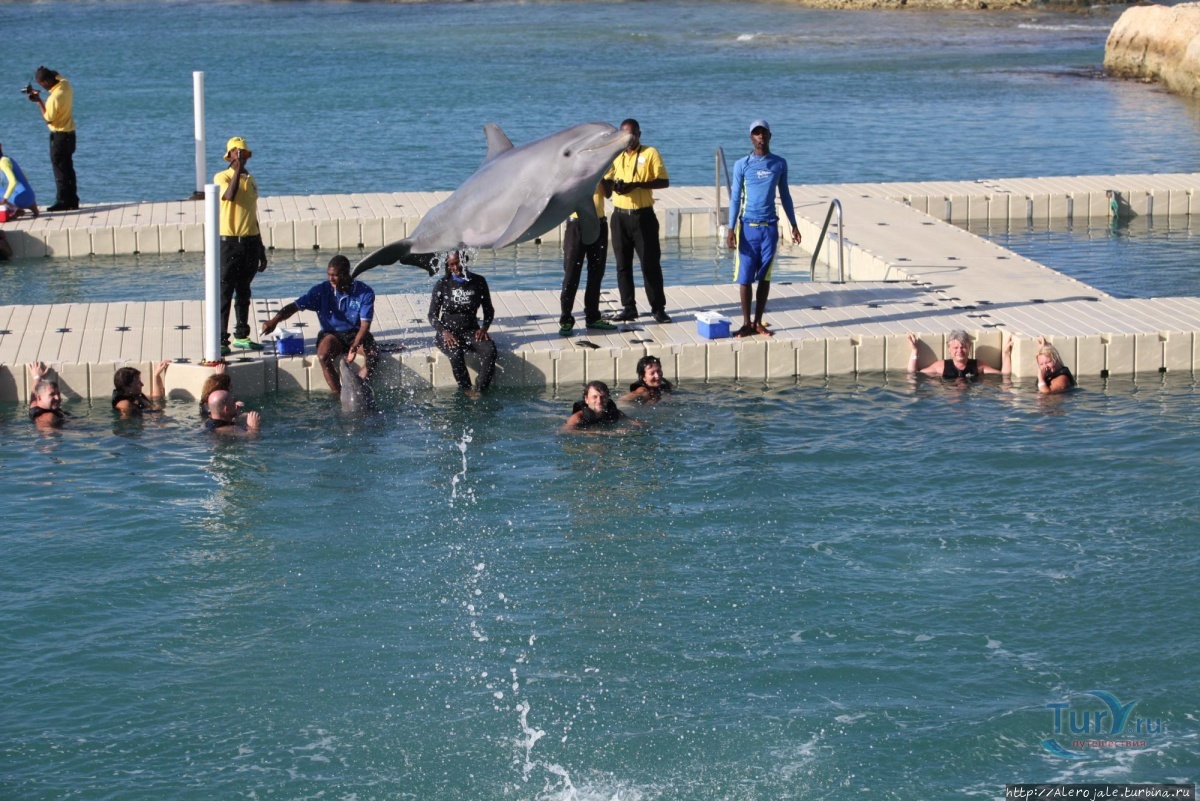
(752, 201)
(344, 309)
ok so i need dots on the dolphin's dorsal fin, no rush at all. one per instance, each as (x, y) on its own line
(497, 142)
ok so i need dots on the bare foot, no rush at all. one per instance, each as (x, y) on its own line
(762, 329)
(472, 393)
(745, 331)
(16, 214)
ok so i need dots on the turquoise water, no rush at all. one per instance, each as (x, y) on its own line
(825, 590)
(845, 589)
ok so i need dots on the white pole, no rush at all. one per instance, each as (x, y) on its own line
(198, 106)
(212, 274)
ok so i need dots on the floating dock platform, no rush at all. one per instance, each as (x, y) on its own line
(909, 267)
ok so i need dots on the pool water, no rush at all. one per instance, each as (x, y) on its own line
(1155, 257)
(835, 589)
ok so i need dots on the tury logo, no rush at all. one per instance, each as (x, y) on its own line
(1105, 725)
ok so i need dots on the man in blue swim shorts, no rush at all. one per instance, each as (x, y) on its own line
(754, 225)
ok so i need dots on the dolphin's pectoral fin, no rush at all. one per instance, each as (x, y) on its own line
(589, 223)
(527, 214)
(388, 254)
(497, 141)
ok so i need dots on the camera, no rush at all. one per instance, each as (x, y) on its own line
(619, 186)
(27, 90)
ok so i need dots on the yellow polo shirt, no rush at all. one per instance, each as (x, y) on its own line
(58, 107)
(598, 199)
(644, 165)
(239, 218)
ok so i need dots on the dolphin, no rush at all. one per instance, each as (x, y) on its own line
(517, 194)
(357, 395)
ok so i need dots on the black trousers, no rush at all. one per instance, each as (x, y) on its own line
(62, 159)
(638, 232)
(485, 350)
(574, 253)
(239, 265)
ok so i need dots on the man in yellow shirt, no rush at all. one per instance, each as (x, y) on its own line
(56, 111)
(629, 181)
(243, 255)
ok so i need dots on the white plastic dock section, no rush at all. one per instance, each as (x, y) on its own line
(909, 271)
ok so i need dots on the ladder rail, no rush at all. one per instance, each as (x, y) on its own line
(834, 205)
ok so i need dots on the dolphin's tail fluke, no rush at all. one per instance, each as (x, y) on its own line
(399, 251)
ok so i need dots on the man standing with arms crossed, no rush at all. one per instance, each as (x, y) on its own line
(56, 111)
(243, 255)
(635, 172)
(755, 178)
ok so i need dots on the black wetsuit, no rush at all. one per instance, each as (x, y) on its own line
(36, 411)
(970, 371)
(664, 388)
(140, 402)
(1062, 370)
(212, 424)
(454, 307)
(611, 414)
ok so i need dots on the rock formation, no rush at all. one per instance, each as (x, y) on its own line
(1157, 43)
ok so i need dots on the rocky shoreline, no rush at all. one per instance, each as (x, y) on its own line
(1157, 43)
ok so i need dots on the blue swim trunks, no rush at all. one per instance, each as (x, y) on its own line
(756, 251)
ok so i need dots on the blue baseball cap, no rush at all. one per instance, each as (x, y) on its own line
(759, 124)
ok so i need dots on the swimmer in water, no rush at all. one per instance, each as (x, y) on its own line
(651, 384)
(128, 398)
(45, 405)
(596, 409)
(224, 412)
(1054, 377)
(960, 365)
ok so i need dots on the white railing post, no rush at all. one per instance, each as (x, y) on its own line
(198, 107)
(212, 274)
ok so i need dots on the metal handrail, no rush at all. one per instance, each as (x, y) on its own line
(721, 167)
(834, 205)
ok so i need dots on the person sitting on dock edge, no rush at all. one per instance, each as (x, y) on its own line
(752, 204)
(453, 312)
(345, 309)
(243, 255)
(18, 194)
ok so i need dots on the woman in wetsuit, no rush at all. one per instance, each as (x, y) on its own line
(960, 365)
(595, 409)
(128, 398)
(651, 384)
(453, 312)
(1053, 376)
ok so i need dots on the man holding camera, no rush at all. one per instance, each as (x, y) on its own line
(243, 255)
(634, 173)
(56, 111)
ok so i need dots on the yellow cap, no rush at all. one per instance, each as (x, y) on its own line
(236, 142)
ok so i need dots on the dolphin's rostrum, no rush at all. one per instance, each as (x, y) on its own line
(517, 194)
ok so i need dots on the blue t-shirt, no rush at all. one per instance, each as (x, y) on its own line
(753, 197)
(337, 311)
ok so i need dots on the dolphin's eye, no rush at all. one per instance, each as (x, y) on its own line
(567, 153)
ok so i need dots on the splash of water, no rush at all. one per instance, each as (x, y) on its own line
(461, 475)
